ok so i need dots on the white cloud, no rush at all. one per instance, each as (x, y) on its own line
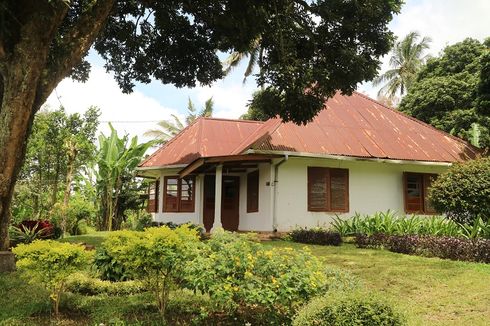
(126, 111)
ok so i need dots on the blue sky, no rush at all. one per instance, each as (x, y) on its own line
(445, 21)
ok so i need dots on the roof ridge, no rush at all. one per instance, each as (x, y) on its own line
(419, 121)
(179, 134)
(253, 137)
(232, 120)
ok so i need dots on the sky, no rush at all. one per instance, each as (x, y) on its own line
(445, 21)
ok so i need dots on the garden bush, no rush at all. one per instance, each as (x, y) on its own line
(83, 284)
(463, 191)
(156, 257)
(107, 267)
(475, 250)
(349, 309)
(320, 236)
(50, 263)
(243, 277)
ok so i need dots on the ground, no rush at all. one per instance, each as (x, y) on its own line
(431, 291)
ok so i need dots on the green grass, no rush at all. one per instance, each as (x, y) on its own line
(431, 291)
(94, 239)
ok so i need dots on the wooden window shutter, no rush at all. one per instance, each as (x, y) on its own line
(428, 178)
(152, 197)
(339, 190)
(413, 190)
(171, 194)
(318, 199)
(253, 192)
(186, 194)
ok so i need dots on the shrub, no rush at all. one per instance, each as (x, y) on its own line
(83, 284)
(317, 235)
(50, 263)
(348, 309)
(77, 216)
(156, 257)
(374, 241)
(477, 250)
(463, 191)
(241, 275)
(107, 267)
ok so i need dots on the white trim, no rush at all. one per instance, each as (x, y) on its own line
(346, 158)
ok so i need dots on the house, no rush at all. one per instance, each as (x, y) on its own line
(357, 155)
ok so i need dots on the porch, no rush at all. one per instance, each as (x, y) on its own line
(243, 201)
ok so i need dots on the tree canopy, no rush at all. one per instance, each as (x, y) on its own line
(311, 49)
(452, 91)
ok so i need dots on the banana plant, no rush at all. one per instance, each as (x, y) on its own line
(117, 157)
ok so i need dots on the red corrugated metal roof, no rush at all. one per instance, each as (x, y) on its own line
(206, 137)
(349, 126)
(361, 127)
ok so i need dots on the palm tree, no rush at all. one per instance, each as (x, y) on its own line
(254, 53)
(407, 58)
(167, 129)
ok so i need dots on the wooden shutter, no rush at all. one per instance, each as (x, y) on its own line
(413, 190)
(339, 190)
(318, 199)
(253, 192)
(186, 194)
(153, 197)
(171, 194)
(428, 178)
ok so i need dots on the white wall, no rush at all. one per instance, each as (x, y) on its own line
(373, 187)
(261, 220)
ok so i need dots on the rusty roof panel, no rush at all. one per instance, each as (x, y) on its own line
(348, 126)
(204, 138)
(359, 126)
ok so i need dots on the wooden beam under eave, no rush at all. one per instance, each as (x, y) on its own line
(191, 167)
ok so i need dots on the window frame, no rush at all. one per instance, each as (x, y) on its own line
(253, 201)
(179, 208)
(327, 173)
(425, 181)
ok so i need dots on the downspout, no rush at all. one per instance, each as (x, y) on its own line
(274, 198)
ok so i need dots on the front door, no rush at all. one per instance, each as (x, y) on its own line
(230, 199)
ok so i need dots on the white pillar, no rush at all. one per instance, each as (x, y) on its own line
(217, 199)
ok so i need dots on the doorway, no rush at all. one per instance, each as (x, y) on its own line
(230, 201)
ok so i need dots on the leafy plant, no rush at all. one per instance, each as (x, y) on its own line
(157, 257)
(50, 263)
(29, 230)
(316, 235)
(107, 267)
(240, 275)
(349, 309)
(86, 285)
(463, 191)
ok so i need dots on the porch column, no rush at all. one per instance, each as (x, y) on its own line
(217, 199)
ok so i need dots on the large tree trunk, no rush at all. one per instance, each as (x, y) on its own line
(29, 73)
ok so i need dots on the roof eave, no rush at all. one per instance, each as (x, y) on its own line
(348, 158)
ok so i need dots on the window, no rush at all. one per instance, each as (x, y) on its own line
(179, 194)
(153, 197)
(328, 190)
(416, 187)
(253, 192)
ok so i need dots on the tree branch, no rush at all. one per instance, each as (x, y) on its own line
(76, 43)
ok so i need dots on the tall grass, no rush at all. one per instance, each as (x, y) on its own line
(390, 224)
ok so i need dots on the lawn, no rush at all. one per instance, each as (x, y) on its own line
(431, 291)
